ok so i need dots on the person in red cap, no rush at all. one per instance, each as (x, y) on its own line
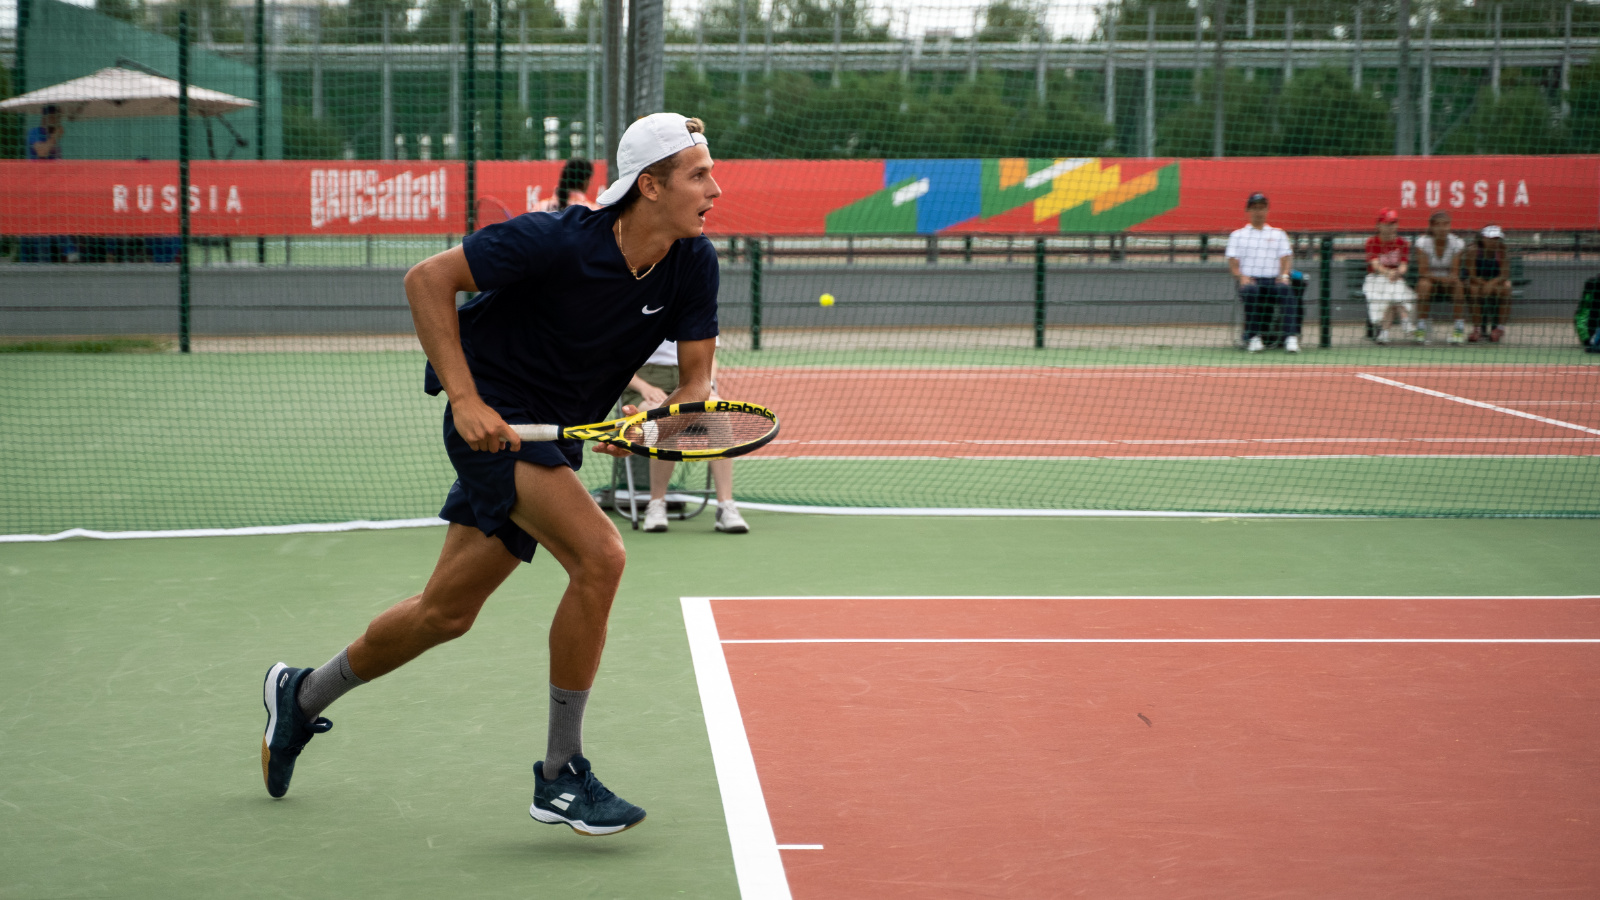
(1389, 298)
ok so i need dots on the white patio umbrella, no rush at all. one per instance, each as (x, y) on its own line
(118, 93)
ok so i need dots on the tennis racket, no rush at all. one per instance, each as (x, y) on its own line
(713, 429)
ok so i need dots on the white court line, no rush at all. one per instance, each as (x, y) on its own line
(306, 528)
(756, 862)
(1478, 403)
(1165, 641)
(1156, 596)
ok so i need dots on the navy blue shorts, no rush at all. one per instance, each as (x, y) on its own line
(486, 483)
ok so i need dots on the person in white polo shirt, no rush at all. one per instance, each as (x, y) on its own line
(1259, 257)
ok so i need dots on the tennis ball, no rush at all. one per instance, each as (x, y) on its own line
(825, 300)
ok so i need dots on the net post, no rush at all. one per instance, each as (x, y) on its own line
(753, 247)
(1038, 293)
(1325, 300)
(183, 181)
(469, 115)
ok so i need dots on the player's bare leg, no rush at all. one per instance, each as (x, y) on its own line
(553, 507)
(471, 565)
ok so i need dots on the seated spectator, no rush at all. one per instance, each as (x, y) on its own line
(43, 143)
(1489, 284)
(1259, 257)
(1439, 269)
(1389, 298)
(648, 389)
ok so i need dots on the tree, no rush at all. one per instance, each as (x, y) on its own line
(1247, 121)
(1324, 115)
(1009, 21)
(1521, 121)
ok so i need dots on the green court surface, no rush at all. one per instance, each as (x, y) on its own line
(130, 675)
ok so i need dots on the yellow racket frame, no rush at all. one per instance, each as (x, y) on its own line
(611, 430)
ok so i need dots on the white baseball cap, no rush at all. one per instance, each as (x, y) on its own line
(647, 142)
(1492, 231)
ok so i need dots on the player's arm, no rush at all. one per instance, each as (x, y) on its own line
(695, 361)
(431, 287)
(651, 395)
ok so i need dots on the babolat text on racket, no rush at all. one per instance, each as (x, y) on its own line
(713, 429)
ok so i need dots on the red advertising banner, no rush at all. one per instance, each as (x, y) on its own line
(796, 197)
(1521, 193)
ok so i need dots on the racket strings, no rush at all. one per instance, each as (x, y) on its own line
(700, 431)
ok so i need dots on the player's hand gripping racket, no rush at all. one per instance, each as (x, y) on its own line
(714, 429)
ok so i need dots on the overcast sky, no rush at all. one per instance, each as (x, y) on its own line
(1066, 17)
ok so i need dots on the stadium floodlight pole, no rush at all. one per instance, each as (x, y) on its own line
(261, 107)
(649, 60)
(611, 102)
(1219, 73)
(1405, 142)
(183, 181)
(630, 69)
(1150, 82)
(469, 116)
(499, 65)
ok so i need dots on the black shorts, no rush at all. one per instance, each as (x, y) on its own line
(486, 483)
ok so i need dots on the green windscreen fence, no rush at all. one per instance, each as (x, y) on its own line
(976, 257)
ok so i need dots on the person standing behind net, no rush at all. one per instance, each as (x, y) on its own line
(1439, 269)
(571, 306)
(1489, 283)
(648, 390)
(1389, 298)
(1259, 257)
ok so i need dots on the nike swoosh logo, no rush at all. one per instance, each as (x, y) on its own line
(650, 312)
(562, 702)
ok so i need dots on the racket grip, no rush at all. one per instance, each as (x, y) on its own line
(538, 432)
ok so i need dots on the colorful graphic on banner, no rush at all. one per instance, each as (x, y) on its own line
(1012, 195)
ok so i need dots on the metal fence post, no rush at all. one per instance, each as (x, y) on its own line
(753, 247)
(1038, 293)
(183, 181)
(1325, 301)
(469, 116)
(499, 64)
(261, 107)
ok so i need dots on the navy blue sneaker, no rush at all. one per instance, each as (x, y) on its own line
(287, 728)
(577, 799)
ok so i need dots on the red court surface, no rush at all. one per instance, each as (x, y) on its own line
(1178, 411)
(1171, 747)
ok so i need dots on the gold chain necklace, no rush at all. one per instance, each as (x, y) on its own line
(617, 230)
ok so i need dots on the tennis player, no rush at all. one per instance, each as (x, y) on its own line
(572, 304)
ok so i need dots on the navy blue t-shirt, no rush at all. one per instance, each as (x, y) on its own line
(561, 325)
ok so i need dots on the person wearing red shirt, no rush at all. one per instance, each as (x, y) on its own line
(1388, 296)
